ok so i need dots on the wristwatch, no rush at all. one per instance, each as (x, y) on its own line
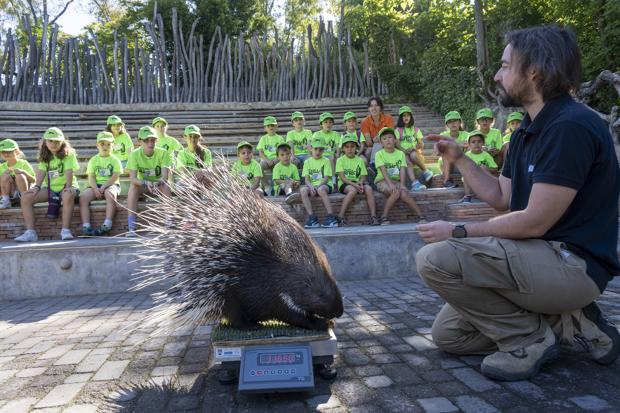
(459, 231)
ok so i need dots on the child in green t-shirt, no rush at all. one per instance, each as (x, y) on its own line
(123, 145)
(410, 140)
(57, 165)
(285, 174)
(512, 124)
(456, 131)
(196, 158)
(16, 174)
(317, 174)
(352, 174)
(391, 169)
(164, 141)
(247, 168)
(267, 145)
(350, 129)
(103, 172)
(299, 138)
(481, 158)
(492, 137)
(330, 138)
(149, 170)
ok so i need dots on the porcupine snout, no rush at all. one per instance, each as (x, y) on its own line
(323, 296)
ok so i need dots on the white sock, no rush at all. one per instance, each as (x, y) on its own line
(5, 197)
(65, 229)
(107, 223)
(86, 225)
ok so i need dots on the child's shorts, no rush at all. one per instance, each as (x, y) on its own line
(59, 194)
(344, 186)
(383, 187)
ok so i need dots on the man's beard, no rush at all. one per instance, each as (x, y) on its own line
(521, 93)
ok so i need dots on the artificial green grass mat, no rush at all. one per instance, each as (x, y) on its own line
(266, 330)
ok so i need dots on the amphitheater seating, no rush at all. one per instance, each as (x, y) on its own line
(223, 127)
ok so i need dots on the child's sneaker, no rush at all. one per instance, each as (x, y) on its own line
(312, 222)
(29, 236)
(131, 233)
(102, 230)
(5, 203)
(417, 186)
(65, 234)
(422, 219)
(330, 222)
(374, 220)
(465, 200)
(88, 231)
(427, 176)
(293, 198)
(448, 184)
(384, 221)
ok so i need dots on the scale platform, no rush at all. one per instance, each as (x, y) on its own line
(275, 357)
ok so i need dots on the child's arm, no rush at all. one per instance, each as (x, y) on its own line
(29, 177)
(37, 181)
(387, 178)
(133, 178)
(165, 172)
(402, 176)
(92, 182)
(255, 183)
(262, 155)
(69, 179)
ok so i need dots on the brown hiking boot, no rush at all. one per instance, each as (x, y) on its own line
(523, 363)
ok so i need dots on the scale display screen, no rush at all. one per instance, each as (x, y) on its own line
(276, 368)
(280, 359)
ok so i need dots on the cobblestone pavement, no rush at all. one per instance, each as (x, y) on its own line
(74, 355)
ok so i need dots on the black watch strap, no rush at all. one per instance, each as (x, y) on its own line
(459, 231)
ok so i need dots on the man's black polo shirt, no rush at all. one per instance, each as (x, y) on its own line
(568, 144)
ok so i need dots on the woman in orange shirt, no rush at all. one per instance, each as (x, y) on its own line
(372, 124)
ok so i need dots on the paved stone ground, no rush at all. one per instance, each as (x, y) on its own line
(73, 355)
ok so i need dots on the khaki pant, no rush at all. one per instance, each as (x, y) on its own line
(502, 293)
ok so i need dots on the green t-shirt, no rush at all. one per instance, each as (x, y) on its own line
(20, 164)
(493, 139)
(189, 160)
(284, 172)
(482, 158)
(57, 169)
(104, 168)
(463, 136)
(169, 143)
(317, 169)
(247, 172)
(122, 146)
(507, 137)
(354, 168)
(392, 162)
(149, 167)
(268, 144)
(331, 139)
(409, 138)
(299, 140)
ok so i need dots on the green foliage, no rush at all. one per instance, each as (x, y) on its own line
(426, 49)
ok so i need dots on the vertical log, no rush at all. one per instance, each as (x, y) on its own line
(117, 84)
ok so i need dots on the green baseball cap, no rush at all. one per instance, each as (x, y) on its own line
(283, 144)
(191, 130)
(453, 115)
(484, 113)
(348, 115)
(514, 116)
(324, 116)
(244, 143)
(54, 134)
(350, 138)
(404, 109)
(297, 115)
(146, 132)
(318, 143)
(159, 119)
(8, 145)
(105, 137)
(475, 133)
(270, 120)
(383, 131)
(114, 120)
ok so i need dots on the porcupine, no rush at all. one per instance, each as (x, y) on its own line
(230, 254)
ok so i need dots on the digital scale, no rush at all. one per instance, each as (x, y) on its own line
(273, 358)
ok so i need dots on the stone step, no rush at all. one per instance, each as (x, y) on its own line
(433, 202)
